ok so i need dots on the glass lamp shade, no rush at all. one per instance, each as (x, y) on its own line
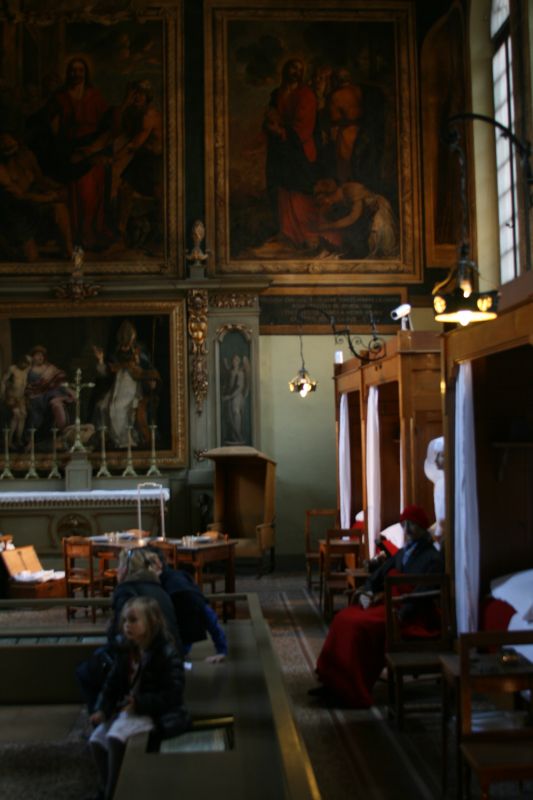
(458, 309)
(302, 384)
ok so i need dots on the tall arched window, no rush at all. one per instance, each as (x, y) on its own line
(507, 74)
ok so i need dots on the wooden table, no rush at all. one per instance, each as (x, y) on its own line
(197, 554)
(489, 665)
(200, 554)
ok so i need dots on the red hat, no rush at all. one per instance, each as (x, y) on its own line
(415, 514)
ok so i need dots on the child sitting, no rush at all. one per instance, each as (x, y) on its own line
(143, 690)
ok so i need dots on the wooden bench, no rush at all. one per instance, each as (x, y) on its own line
(265, 756)
(38, 662)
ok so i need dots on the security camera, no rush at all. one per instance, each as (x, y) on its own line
(401, 311)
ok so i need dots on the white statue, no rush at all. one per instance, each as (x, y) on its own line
(434, 469)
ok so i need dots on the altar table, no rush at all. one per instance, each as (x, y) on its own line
(42, 518)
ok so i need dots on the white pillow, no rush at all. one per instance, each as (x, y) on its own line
(395, 534)
(516, 589)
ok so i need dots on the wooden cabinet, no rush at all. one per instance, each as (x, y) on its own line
(501, 354)
(244, 499)
(408, 379)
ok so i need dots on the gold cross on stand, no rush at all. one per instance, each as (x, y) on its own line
(77, 388)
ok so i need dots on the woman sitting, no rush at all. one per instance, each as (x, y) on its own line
(353, 654)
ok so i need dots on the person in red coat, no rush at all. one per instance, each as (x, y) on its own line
(353, 655)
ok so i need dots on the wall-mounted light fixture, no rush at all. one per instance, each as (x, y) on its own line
(463, 304)
(370, 350)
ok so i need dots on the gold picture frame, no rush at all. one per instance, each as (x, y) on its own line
(133, 354)
(444, 92)
(107, 178)
(269, 148)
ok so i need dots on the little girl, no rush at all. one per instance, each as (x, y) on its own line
(143, 691)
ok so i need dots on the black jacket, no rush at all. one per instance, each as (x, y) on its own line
(189, 604)
(143, 584)
(425, 559)
(158, 692)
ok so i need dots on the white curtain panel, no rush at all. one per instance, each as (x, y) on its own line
(402, 480)
(373, 469)
(345, 476)
(466, 505)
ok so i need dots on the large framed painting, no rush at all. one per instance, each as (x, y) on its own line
(312, 145)
(132, 399)
(91, 139)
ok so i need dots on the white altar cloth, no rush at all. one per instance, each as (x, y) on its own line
(98, 497)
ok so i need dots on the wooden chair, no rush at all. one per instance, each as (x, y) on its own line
(169, 551)
(408, 654)
(107, 571)
(79, 571)
(503, 749)
(314, 516)
(339, 560)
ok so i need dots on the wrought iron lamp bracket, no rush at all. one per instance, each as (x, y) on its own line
(368, 351)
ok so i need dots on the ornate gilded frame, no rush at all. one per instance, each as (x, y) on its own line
(444, 92)
(69, 333)
(233, 30)
(56, 39)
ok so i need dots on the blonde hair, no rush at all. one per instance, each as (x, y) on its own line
(138, 559)
(150, 611)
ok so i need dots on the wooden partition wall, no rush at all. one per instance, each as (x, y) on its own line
(410, 415)
(501, 353)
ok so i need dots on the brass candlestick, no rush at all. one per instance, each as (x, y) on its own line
(6, 472)
(54, 472)
(103, 472)
(32, 472)
(129, 461)
(153, 470)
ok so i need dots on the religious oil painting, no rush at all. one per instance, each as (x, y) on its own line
(312, 141)
(90, 139)
(234, 365)
(109, 376)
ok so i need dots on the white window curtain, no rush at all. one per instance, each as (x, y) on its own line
(345, 476)
(466, 505)
(373, 470)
